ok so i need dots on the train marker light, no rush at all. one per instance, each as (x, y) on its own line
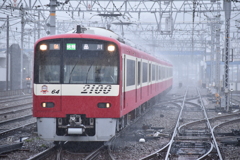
(47, 104)
(104, 105)
(111, 48)
(43, 47)
(44, 105)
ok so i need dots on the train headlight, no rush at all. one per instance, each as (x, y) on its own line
(104, 105)
(43, 47)
(111, 48)
(47, 104)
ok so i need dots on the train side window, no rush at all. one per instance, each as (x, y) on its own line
(150, 72)
(139, 72)
(159, 72)
(130, 72)
(144, 75)
(153, 72)
(164, 72)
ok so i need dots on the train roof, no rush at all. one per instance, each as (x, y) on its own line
(103, 34)
(77, 35)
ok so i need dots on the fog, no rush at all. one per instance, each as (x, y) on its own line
(181, 32)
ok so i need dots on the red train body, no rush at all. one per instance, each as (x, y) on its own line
(87, 87)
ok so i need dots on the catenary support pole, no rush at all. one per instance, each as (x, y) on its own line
(227, 9)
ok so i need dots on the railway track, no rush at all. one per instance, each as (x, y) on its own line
(199, 145)
(59, 152)
(188, 135)
(14, 99)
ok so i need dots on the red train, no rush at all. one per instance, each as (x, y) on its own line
(87, 87)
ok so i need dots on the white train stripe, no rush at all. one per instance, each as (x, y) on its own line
(76, 90)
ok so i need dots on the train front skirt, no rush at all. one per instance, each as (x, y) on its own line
(105, 129)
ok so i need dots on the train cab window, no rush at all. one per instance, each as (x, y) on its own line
(90, 71)
(47, 69)
(89, 65)
(49, 73)
(69, 61)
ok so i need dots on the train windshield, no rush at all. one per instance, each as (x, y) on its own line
(76, 62)
(90, 70)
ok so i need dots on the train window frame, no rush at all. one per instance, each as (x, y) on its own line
(51, 77)
(145, 73)
(160, 73)
(150, 71)
(63, 52)
(139, 71)
(95, 71)
(153, 72)
(130, 79)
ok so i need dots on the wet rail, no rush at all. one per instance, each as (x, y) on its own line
(15, 98)
(200, 145)
(167, 147)
(15, 92)
(210, 128)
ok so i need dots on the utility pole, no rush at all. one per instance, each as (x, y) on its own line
(212, 23)
(218, 53)
(7, 54)
(227, 9)
(22, 39)
(38, 24)
(52, 22)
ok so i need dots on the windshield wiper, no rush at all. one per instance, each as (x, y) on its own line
(88, 72)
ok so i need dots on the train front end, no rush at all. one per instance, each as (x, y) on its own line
(76, 88)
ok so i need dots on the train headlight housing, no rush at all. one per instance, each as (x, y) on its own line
(111, 48)
(104, 105)
(43, 47)
(47, 105)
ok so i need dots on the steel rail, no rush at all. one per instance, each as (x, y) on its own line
(15, 111)
(201, 121)
(14, 106)
(206, 154)
(213, 118)
(176, 127)
(94, 154)
(14, 99)
(43, 154)
(16, 119)
(224, 123)
(9, 148)
(189, 123)
(152, 155)
(16, 128)
(209, 126)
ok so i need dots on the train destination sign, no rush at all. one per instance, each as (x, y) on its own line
(92, 47)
